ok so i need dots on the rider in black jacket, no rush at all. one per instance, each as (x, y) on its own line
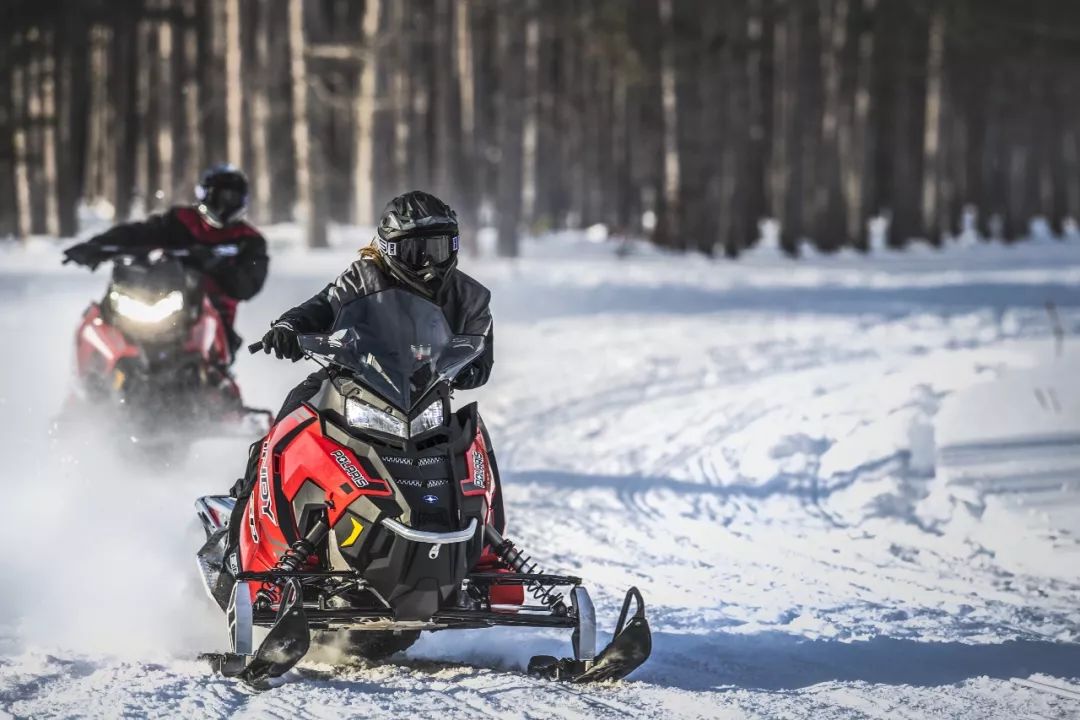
(214, 222)
(416, 248)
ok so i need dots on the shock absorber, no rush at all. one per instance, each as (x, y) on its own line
(523, 564)
(296, 556)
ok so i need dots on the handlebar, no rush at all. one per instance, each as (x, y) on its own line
(255, 347)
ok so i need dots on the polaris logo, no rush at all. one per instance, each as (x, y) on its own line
(430, 499)
(478, 468)
(349, 469)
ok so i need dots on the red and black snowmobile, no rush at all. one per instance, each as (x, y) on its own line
(154, 355)
(374, 512)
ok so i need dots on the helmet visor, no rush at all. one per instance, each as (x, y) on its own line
(419, 252)
(227, 203)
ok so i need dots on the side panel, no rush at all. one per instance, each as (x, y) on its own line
(208, 336)
(479, 479)
(99, 346)
(296, 452)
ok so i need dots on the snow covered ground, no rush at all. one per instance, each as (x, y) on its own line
(750, 443)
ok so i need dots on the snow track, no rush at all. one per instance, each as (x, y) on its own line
(750, 444)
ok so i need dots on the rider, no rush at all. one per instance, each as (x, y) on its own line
(215, 221)
(416, 249)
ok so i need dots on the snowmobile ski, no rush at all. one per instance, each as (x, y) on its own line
(628, 649)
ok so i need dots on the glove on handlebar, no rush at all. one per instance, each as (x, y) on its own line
(86, 254)
(284, 341)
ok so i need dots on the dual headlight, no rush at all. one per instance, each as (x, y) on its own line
(148, 313)
(361, 415)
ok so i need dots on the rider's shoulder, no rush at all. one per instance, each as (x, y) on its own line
(366, 267)
(467, 284)
(364, 275)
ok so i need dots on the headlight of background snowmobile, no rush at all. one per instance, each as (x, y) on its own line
(432, 417)
(362, 415)
(141, 312)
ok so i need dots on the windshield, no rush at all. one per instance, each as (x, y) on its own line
(396, 343)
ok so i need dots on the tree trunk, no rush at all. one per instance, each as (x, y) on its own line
(145, 102)
(466, 89)
(49, 123)
(260, 115)
(20, 105)
(9, 208)
(192, 158)
(668, 223)
(123, 86)
(165, 120)
(786, 169)
(531, 109)
(305, 211)
(233, 84)
(935, 97)
(363, 167)
(511, 53)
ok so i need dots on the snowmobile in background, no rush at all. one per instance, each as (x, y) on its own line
(374, 513)
(152, 357)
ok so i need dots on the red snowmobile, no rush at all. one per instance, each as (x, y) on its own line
(374, 512)
(154, 355)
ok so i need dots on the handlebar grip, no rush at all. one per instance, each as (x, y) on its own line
(255, 347)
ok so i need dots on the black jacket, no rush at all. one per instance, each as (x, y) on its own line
(463, 300)
(239, 277)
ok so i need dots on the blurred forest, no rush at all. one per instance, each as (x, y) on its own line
(686, 121)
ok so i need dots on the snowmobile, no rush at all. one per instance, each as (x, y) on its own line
(373, 512)
(153, 356)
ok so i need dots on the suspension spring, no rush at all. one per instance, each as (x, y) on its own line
(295, 557)
(524, 565)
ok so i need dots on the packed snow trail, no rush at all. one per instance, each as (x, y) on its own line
(749, 443)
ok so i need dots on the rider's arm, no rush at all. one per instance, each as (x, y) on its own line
(143, 233)
(243, 275)
(93, 252)
(311, 315)
(476, 298)
(480, 370)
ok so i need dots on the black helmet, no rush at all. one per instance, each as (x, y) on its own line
(418, 239)
(222, 194)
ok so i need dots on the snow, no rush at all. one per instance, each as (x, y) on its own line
(753, 444)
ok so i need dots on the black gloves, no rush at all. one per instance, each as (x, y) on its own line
(86, 253)
(284, 341)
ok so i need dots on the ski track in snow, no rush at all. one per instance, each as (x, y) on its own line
(745, 442)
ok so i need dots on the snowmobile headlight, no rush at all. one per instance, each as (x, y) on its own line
(142, 312)
(365, 416)
(432, 417)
